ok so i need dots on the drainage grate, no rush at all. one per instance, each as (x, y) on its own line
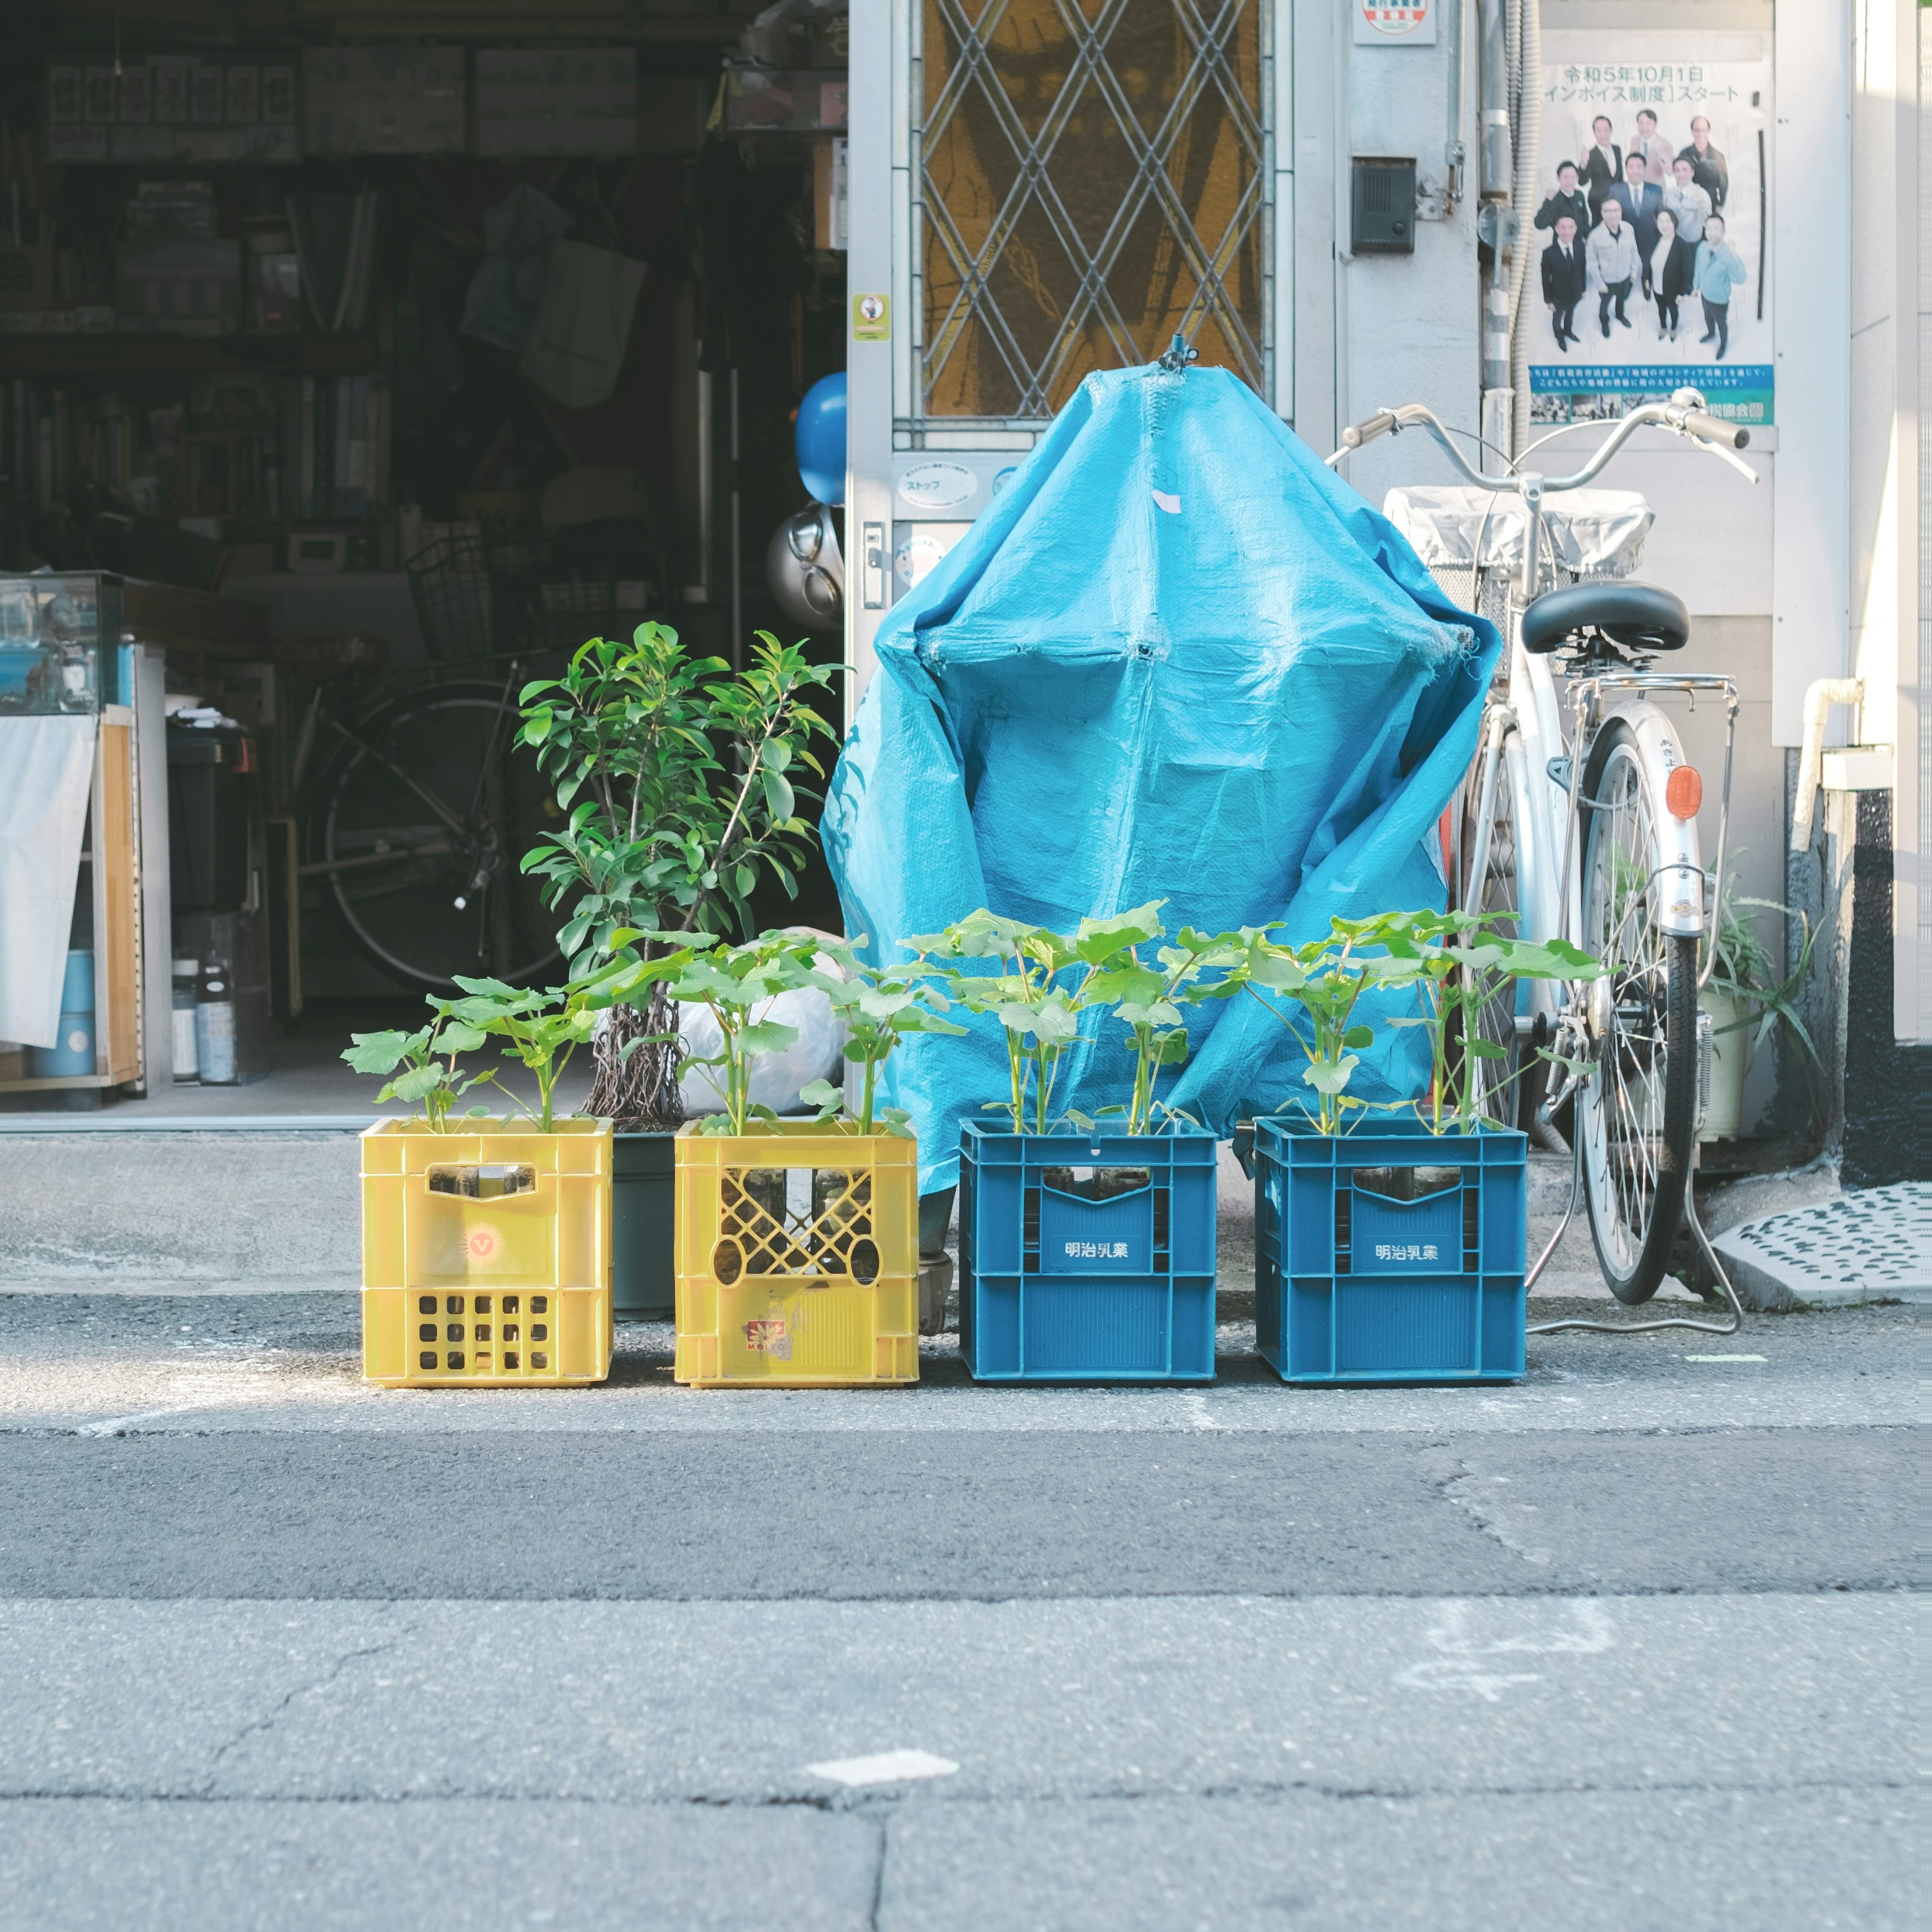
(1874, 1246)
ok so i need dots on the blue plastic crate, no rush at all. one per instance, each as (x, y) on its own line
(1059, 1286)
(1390, 1254)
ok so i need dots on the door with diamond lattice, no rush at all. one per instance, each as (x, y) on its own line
(1040, 189)
(1088, 181)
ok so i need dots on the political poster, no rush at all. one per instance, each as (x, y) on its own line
(1647, 262)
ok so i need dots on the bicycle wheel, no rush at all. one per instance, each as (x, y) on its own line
(1637, 1112)
(421, 830)
(1501, 1091)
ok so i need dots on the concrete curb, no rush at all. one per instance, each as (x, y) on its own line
(1856, 1249)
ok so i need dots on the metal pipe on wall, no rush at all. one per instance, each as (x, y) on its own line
(1493, 69)
(1454, 153)
(1528, 163)
(1494, 173)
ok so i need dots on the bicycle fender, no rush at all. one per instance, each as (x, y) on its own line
(1677, 870)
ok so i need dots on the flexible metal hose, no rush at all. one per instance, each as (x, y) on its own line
(1528, 165)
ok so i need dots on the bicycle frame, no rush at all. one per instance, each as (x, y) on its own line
(1525, 745)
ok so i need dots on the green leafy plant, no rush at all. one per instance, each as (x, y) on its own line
(542, 1029)
(1148, 999)
(1326, 978)
(880, 1006)
(1044, 981)
(1038, 1019)
(421, 1067)
(1463, 962)
(736, 984)
(1744, 971)
(681, 782)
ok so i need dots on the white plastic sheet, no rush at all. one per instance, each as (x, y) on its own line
(46, 768)
(1601, 531)
(576, 345)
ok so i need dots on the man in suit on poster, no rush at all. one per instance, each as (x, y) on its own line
(1603, 165)
(1568, 199)
(1565, 277)
(1640, 198)
(1652, 146)
(1709, 168)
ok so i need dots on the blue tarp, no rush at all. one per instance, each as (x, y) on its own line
(1177, 658)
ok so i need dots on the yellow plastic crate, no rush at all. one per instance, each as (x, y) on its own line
(797, 1258)
(486, 1254)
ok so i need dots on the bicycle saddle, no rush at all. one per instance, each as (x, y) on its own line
(1638, 616)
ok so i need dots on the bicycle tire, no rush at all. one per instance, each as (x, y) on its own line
(403, 918)
(1636, 1113)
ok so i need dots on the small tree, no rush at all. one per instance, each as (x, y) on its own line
(678, 778)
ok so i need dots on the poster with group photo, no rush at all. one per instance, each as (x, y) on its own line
(1647, 263)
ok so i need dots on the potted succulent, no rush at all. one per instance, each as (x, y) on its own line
(486, 1239)
(797, 1248)
(1087, 1242)
(681, 781)
(1390, 1237)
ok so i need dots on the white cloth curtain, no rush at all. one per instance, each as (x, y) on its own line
(47, 769)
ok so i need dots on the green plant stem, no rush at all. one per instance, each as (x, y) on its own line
(864, 1112)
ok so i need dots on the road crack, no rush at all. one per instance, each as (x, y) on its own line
(1479, 1497)
(260, 1726)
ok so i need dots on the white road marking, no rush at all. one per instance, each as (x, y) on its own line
(1461, 1667)
(892, 1767)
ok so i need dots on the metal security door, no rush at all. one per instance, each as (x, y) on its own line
(1040, 189)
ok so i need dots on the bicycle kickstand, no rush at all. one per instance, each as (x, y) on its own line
(1731, 1328)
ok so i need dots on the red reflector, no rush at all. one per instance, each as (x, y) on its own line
(1684, 792)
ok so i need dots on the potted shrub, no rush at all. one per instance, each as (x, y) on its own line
(1086, 1243)
(797, 1247)
(1747, 999)
(486, 1239)
(1391, 1238)
(681, 782)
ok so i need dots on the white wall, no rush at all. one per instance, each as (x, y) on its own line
(1410, 322)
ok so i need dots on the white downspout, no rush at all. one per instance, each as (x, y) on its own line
(1818, 698)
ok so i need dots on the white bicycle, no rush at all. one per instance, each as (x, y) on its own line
(1580, 822)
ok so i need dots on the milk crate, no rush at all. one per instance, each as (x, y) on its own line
(1390, 1254)
(486, 1253)
(797, 1257)
(1086, 1257)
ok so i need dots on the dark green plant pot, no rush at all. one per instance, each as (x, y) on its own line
(643, 1205)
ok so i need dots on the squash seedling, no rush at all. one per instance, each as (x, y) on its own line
(427, 1059)
(880, 1006)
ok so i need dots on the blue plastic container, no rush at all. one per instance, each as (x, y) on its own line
(72, 1051)
(1390, 1254)
(1060, 1285)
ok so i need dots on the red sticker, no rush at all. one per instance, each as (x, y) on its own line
(769, 1337)
(483, 1244)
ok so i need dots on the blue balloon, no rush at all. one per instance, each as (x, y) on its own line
(820, 439)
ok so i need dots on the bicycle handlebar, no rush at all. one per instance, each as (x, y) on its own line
(1711, 429)
(1685, 415)
(1382, 423)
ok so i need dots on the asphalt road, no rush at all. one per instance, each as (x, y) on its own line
(1629, 1646)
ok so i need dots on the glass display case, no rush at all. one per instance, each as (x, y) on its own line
(59, 638)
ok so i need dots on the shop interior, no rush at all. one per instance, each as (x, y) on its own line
(354, 368)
